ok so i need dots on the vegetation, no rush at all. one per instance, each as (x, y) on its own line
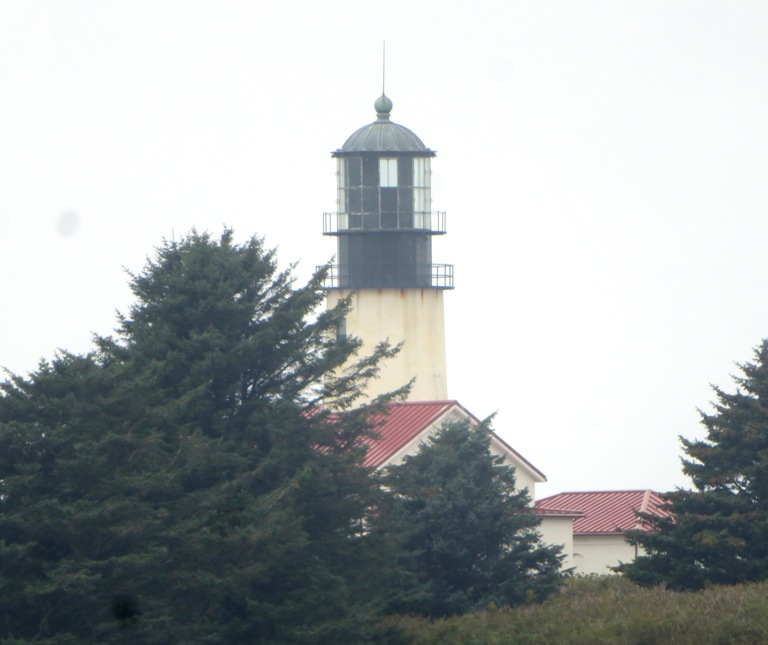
(609, 610)
(188, 481)
(198, 478)
(719, 534)
(467, 536)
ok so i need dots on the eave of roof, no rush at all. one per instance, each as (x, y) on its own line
(556, 512)
(535, 472)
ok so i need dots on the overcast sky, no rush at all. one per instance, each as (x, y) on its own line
(603, 167)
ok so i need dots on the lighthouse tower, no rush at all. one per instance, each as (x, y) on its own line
(384, 229)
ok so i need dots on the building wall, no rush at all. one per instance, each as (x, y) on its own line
(596, 553)
(414, 316)
(559, 531)
(523, 477)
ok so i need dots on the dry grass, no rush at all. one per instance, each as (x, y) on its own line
(611, 611)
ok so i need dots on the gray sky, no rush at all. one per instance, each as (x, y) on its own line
(603, 166)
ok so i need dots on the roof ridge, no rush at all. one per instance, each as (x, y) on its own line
(603, 492)
(427, 402)
(646, 500)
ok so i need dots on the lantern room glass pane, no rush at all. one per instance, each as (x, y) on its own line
(355, 200)
(420, 200)
(370, 171)
(405, 171)
(388, 172)
(340, 174)
(370, 200)
(405, 207)
(341, 201)
(388, 207)
(388, 220)
(354, 171)
(419, 171)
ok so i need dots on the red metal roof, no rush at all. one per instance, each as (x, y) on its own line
(606, 511)
(402, 424)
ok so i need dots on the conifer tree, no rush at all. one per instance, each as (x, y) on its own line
(719, 531)
(469, 536)
(191, 480)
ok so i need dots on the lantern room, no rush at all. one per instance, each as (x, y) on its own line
(384, 223)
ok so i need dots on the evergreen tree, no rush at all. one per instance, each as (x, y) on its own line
(469, 537)
(719, 531)
(191, 480)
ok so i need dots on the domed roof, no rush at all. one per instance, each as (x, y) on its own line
(382, 135)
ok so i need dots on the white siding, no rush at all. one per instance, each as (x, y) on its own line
(596, 553)
(559, 531)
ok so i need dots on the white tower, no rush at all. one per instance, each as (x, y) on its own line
(384, 229)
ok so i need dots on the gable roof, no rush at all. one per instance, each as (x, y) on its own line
(409, 423)
(606, 512)
(402, 423)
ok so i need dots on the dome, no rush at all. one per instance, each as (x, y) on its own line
(382, 135)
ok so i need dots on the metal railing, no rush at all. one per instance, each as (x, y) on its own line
(432, 222)
(389, 276)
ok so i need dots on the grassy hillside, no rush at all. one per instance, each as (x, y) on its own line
(611, 611)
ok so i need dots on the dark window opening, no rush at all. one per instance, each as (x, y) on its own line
(370, 171)
(405, 172)
(355, 200)
(354, 171)
(370, 200)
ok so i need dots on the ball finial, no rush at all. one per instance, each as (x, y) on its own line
(383, 106)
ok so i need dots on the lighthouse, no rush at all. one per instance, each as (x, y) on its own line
(384, 227)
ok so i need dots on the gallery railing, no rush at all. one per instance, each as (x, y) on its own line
(389, 276)
(432, 222)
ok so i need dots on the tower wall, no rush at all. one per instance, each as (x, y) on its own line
(411, 315)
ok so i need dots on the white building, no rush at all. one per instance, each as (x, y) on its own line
(604, 516)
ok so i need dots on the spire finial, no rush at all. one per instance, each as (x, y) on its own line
(383, 104)
(383, 66)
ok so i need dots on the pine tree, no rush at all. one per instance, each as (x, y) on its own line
(719, 530)
(468, 535)
(191, 480)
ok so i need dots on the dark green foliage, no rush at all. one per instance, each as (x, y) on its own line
(720, 531)
(190, 481)
(469, 536)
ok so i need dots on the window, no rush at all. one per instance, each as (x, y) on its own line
(422, 201)
(405, 171)
(370, 171)
(370, 200)
(387, 172)
(421, 172)
(355, 171)
(341, 201)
